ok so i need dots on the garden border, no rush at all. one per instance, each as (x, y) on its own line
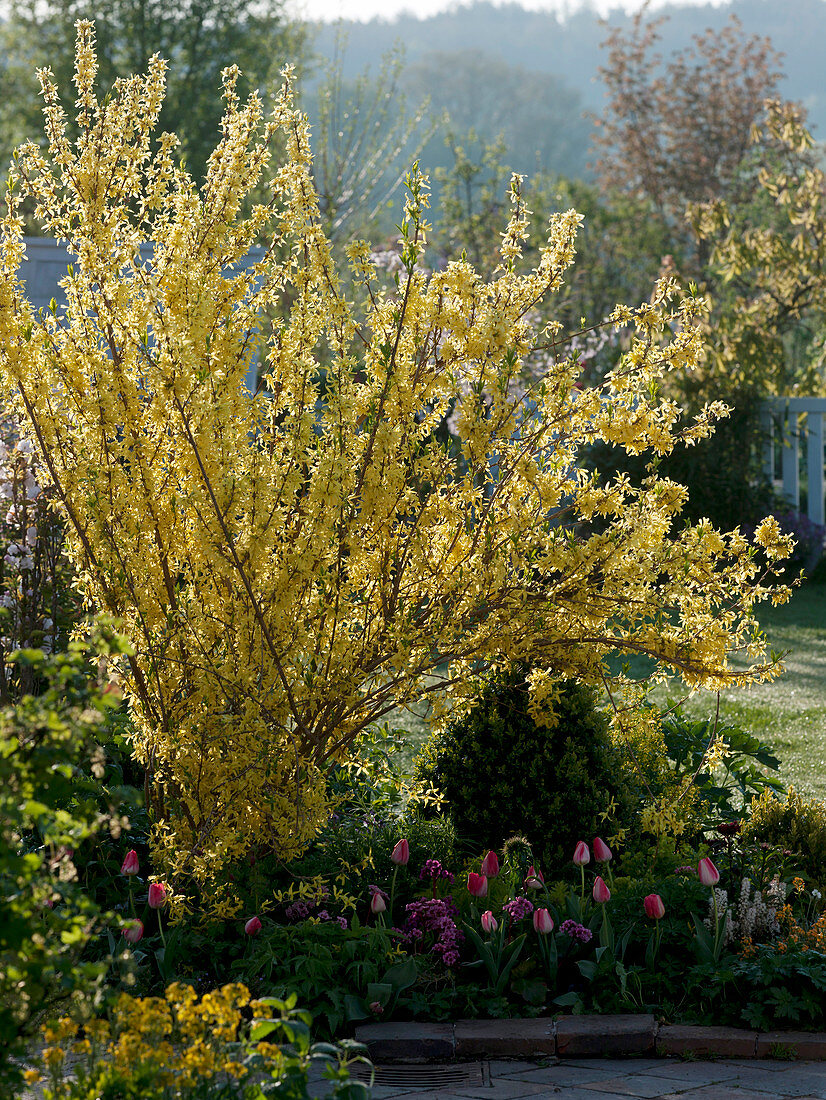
(578, 1037)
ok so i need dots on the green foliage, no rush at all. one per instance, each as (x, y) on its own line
(794, 823)
(335, 972)
(766, 991)
(46, 916)
(744, 772)
(503, 774)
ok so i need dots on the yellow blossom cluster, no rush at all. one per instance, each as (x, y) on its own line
(292, 561)
(179, 1041)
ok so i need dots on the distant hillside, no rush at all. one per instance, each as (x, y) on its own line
(567, 51)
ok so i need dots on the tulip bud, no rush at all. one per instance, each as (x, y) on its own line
(253, 926)
(477, 885)
(130, 865)
(601, 891)
(490, 865)
(709, 875)
(534, 879)
(157, 895)
(377, 902)
(602, 853)
(489, 922)
(581, 854)
(133, 932)
(401, 853)
(654, 908)
(543, 921)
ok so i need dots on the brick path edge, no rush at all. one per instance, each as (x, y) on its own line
(579, 1037)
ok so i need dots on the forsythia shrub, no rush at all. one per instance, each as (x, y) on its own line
(293, 562)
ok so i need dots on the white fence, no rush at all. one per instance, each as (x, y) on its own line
(794, 430)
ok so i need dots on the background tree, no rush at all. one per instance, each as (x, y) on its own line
(199, 36)
(676, 131)
(365, 140)
(540, 119)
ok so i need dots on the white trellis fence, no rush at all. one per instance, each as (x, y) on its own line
(794, 446)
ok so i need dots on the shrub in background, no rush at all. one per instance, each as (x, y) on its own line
(794, 823)
(503, 773)
(47, 742)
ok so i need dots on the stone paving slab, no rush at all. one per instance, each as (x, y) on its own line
(646, 1086)
(720, 1092)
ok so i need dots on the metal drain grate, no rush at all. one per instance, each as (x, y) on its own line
(423, 1077)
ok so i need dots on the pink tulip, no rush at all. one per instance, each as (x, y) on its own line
(401, 854)
(601, 891)
(534, 879)
(253, 926)
(377, 902)
(654, 908)
(489, 922)
(477, 885)
(133, 932)
(157, 895)
(709, 875)
(602, 853)
(130, 865)
(490, 865)
(543, 921)
(581, 854)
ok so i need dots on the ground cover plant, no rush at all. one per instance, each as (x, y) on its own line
(399, 510)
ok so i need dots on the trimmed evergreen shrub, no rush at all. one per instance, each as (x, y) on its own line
(503, 774)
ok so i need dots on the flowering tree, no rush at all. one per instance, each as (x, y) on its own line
(291, 564)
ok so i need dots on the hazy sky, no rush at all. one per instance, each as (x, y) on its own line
(330, 10)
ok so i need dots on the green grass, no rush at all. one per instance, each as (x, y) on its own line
(789, 714)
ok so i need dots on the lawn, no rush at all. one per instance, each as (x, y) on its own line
(789, 714)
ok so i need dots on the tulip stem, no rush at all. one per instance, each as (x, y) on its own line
(160, 929)
(582, 890)
(393, 893)
(718, 930)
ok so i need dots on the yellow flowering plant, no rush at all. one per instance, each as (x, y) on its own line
(292, 561)
(184, 1047)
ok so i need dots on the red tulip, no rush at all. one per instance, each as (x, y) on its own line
(477, 885)
(130, 865)
(709, 875)
(157, 895)
(253, 926)
(490, 865)
(534, 879)
(401, 853)
(133, 932)
(602, 853)
(601, 891)
(543, 921)
(581, 854)
(489, 922)
(654, 908)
